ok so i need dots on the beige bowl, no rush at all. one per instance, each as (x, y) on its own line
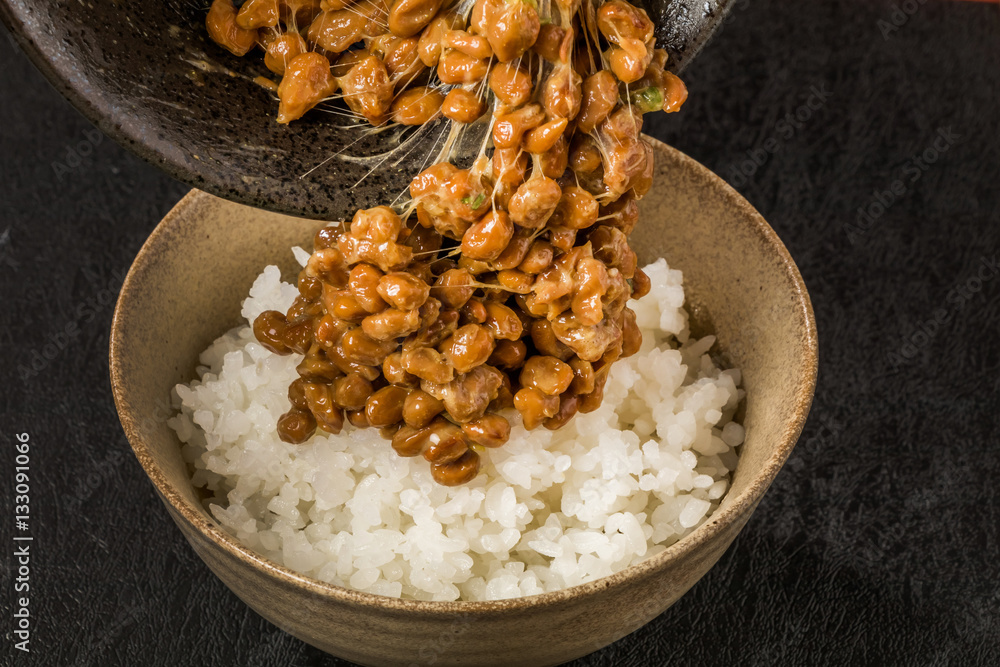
(185, 289)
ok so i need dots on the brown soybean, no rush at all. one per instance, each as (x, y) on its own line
(510, 127)
(428, 364)
(535, 406)
(534, 201)
(631, 336)
(456, 67)
(394, 373)
(362, 349)
(269, 329)
(488, 430)
(406, 290)
(469, 44)
(364, 281)
(390, 324)
(385, 406)
(502, 322)
(474, 311)
(640, 284)
(408, 17)
(351, 391)
(508, 354)
(282, 49)
(416, 106)
(583, 376)
(462, 106)
(545, 341)
(544, 137)
(226, 32)
(547, 374)
(297, 394)
(512, 28)
(515, 281)
(307, 81)
(445, 443)
(409, 441)
(599, 97)
(296, 426)
(457, 472)
(368, 90)
(454, 288)
(515, 251)
(538, 259)
(511, 84)
(315, 365)
(468, 347)
(358, 419)
(346, 307)
(577, 209)
(486, 239)
(328, 415)
(335, 31)
(568, 407)
(420, 408)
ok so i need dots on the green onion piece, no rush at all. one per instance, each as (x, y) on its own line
(648, 99)
(474, 203)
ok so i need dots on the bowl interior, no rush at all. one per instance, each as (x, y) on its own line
(186, 287)
(147, 75)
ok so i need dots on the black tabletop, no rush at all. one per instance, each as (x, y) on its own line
(867, 133)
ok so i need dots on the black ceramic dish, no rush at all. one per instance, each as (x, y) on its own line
(148, 76)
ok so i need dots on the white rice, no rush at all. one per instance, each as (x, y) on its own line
(547, 511)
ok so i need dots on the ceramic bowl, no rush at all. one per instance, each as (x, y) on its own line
(147, 74)
(185, 289)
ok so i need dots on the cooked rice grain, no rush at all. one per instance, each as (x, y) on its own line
(549, 509)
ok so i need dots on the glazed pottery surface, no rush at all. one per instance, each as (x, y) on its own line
(186, 287)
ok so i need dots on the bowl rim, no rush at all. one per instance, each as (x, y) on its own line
(700, 537)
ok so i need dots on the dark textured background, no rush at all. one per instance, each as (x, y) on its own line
(877, 544)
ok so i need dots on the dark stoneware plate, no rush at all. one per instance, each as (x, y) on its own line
(147, 75)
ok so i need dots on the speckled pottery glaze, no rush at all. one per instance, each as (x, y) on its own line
(186, 287)
(147, 74)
